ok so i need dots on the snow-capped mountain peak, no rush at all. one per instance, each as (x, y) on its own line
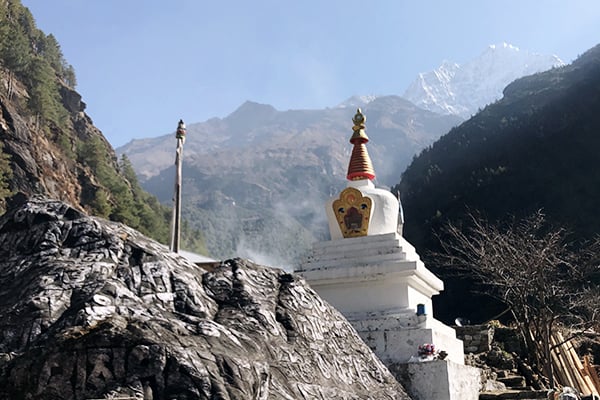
(463, 89)
(503, 45)
(357, 101)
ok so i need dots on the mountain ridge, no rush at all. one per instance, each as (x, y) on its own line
(224, 132)
(282, 169)
(254, 158)
(453, 89)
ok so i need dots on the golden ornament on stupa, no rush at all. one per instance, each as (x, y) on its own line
(353, 212)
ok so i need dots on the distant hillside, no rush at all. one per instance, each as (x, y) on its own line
(49, 145)
(464, 89)
(537, 147)
(267, 173)
(392, 120)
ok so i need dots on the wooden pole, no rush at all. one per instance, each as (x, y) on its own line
(176, 223)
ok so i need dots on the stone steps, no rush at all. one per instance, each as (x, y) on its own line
(513, 395)
(513, 381)
(516, 388)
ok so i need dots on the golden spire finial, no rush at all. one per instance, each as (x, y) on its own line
(359, 120)
(360, 166)
(359, 127)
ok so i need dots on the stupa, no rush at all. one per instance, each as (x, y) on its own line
(373, 276)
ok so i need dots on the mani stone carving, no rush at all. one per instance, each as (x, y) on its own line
(93, 309)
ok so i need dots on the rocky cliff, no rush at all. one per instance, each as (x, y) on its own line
(49, 145)
(72, 162)
(93, 309)
(38, 163)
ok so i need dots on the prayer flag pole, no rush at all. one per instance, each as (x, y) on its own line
(176, 224)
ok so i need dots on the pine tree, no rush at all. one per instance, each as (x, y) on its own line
(44, 97)
(15, 54)
(5, 173)
(101, 205)
(49, 49)
(69, 75)
(3, 26)
(128, 171)
(16, 50)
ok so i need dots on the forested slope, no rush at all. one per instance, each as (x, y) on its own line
(536, 148)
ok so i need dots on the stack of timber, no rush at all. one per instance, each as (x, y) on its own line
(570, 371)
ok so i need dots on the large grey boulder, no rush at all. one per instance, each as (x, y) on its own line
(93, 309)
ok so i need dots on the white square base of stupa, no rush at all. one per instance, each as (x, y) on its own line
(378, 282)
(396, 338)
(422, 380)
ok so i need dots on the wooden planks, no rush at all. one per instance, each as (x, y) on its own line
(569, 370)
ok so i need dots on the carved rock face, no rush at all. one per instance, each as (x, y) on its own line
(93, 309)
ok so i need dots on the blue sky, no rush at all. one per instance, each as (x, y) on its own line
(143, 64)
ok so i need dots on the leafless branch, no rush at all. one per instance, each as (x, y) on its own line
(533, 269)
